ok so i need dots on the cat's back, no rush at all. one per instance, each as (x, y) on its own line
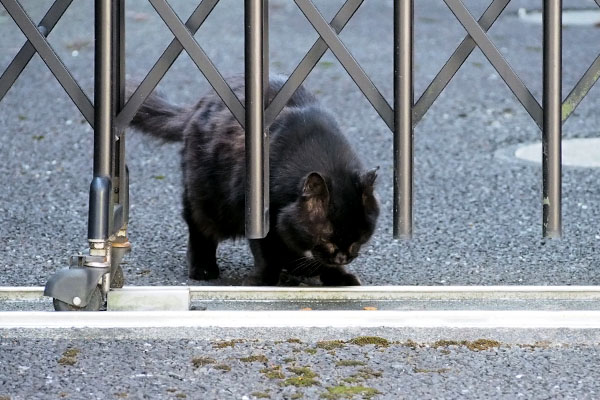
(309, 139)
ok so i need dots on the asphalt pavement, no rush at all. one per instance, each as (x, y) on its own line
(477, 215)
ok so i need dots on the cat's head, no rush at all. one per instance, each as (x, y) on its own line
(332, 217)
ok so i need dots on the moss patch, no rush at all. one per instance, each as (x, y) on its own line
(69, 357)
(302, 371)
(447, 343)
(294, 340)
(299, 381)
(181, 395)
(289, 360)
(349, 363)
(483, 344)
(223, 367)
(273, 372)
(347, 392)
(410, 344)
(227, 343)
(330, 344)
(202, 361)
(311, 351)
(476, 345)
(121, 395)
(261, 395)
(362, 375)
(297, 396)
(366, 340)
(255, 358)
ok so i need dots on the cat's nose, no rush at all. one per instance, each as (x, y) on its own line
(340, 259)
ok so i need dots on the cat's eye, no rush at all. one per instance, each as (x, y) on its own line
(354, 247)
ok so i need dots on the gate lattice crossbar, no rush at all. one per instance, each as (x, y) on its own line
(36, 38)
(401, 118)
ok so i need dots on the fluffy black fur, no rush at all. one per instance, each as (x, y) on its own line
(322, 204)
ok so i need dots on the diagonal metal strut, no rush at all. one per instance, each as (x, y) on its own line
(202, 61)
(351, 66)
(18, 64)
(581, 89)
(456, 60)
(513, 81)
(58, 69)
(163, 64)
(309, 61)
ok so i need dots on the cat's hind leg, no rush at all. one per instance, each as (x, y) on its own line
(338, 276)
(201, 251)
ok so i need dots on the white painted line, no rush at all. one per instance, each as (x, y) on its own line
(304, 319)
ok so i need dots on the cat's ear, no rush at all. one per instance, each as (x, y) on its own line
(368, 178)
(315, 187)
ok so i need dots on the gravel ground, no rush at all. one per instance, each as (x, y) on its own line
(294, 369)
(477, 216)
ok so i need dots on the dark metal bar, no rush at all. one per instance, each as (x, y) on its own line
(163, 64)
(403, 127)
(62, 74)
(587, 81)
(103, 94)
(265, 51)
(495, 58)
(212, 75)
(348, 62)
(308, 62)
(18, 64)
(456, 60)
(120, 179)
(552, 126)
(256, 185)
(100, 212)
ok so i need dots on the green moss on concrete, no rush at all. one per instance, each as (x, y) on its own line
(202, 361)
(255, 358)
(330, 344)
(273, 372)
(227, 343)
(348, 392)
(367, 340)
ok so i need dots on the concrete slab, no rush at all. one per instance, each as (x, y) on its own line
(583, 152)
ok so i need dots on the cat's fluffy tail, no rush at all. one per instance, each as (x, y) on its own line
(161, 119)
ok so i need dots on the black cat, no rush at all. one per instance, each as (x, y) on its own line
(322, 204)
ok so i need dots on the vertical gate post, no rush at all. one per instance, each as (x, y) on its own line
(403, 127)
(100, 211)
(257, 161)
(121, 183)
(552, 123)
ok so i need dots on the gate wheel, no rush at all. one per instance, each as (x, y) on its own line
(93, 304)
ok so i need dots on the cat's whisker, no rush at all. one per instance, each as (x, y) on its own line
(300, 264)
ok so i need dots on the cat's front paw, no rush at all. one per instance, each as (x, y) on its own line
(338, 277)
(203, 274)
